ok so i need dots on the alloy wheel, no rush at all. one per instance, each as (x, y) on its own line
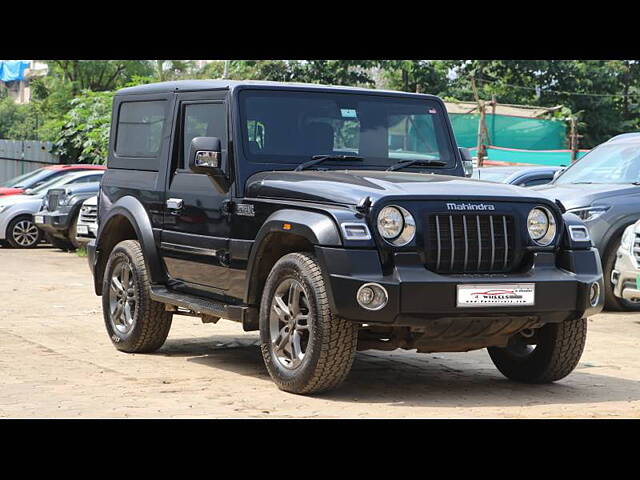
(289, 323)
(123, 298)
(25, 233)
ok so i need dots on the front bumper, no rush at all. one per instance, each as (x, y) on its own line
(417, 295)
(624, 275)
(54, 223)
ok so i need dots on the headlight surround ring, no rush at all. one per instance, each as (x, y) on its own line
(541, 226)
(403, 230)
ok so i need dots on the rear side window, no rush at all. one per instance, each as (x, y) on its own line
(140, 126)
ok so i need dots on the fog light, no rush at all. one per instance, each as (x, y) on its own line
(594, 294)
(372, 296)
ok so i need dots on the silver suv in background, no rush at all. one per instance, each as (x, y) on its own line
(603, 189)
(625, 276)
(87, 225)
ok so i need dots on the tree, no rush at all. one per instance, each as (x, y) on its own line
(98, 75)
(84, 136)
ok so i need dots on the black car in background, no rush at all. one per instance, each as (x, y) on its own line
(522, 176)
(59, 214)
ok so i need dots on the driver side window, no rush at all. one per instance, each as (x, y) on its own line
(201, 120)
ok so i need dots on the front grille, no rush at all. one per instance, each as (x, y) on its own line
(636, 247)
(470, 243)
(53, 199)
(88, 214)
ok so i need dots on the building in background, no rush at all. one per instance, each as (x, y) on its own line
(15, 76)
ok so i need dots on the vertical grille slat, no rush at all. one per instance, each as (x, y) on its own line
(439, 246)
(493, 242)
(506, 243)
(487, 240)
(466, 242)
(479, 242)
(453, 242)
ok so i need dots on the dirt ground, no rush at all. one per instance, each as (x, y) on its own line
(57, 361)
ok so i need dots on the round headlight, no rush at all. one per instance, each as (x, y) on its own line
(390, 222)
(541, 225)
(396, 225)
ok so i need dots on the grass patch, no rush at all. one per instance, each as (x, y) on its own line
(81, 252)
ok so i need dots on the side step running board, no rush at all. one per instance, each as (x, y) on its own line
(200, 305)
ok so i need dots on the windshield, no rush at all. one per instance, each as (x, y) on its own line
(53, 183)
(27, 179)
(606, 164)
(290, 127)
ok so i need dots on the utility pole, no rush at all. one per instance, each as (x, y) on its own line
(225, 74)
(573, 138)
(481, 150)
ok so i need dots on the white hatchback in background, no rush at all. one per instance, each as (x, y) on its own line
(87, 225)
(626, 271)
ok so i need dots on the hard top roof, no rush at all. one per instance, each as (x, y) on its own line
(196, 85)
(631, 137)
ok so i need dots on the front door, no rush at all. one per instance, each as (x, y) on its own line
(195, 238)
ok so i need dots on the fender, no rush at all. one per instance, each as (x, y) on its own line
(131, 208)
(319, 229)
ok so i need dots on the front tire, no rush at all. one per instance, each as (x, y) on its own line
(23, 233)
(135, 323)
(557, 351)
(306, 348)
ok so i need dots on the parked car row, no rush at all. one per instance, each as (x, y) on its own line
(45, 204)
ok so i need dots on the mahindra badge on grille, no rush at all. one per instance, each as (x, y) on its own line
(470, 206)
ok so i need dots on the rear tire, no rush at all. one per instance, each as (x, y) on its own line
(135, 323)
(306, 348)
(23, 233)
(557, 352)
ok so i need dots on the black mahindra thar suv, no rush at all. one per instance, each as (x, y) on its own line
(332, 220)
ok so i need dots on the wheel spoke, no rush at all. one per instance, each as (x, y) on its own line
(294, 298)
(125, 276)
(115, 283)
(283, 338)
(280, 308)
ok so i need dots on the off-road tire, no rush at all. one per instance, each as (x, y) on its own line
(332, 345)
(73, 231)
(557, 353)
(11, 226)
(611, 302)
(151, 322)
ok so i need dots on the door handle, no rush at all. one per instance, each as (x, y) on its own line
(175, 203)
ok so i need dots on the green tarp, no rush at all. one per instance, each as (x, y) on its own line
(511, 132)
(541, 157)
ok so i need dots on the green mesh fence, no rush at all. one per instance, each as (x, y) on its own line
(511, 132)
(531, 157)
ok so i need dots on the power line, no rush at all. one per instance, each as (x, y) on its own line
(558, 92)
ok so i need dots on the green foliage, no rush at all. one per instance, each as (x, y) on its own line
(603, 95)
(84, 137)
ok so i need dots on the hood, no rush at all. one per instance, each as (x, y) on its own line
(350, 186)
(575, 195)
(13, 199)
(10, 191)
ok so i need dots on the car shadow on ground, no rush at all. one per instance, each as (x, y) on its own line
(411, 379)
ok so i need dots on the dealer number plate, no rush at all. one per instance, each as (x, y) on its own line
(497, 295)
(83, 229)
(39, 219)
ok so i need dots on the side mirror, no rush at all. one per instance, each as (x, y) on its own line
(557, 173)
(205, 155)
(467, 161)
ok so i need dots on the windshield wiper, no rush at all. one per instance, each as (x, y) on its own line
(409, 163)
(321, 158)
